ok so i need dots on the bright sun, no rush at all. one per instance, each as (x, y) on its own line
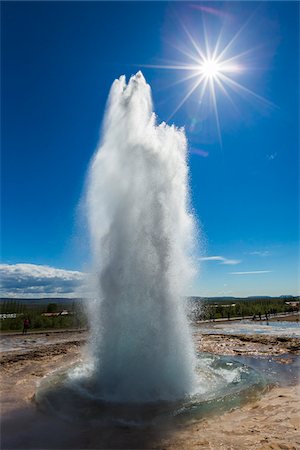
(210, 68)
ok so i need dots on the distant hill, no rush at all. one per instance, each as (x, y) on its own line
(42, 300)
(250, 298)
(67, 301)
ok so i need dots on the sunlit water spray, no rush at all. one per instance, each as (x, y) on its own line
(141, 236)
(141, 363)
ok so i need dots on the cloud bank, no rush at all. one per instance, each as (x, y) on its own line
(30, 280)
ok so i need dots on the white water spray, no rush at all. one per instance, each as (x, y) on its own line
(141, 237)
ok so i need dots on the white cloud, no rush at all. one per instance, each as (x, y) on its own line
(260, 253)
(250, 272)
(34, 280)
(271, 156)
(221, 259)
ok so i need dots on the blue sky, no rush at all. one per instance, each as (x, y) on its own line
(58, 62)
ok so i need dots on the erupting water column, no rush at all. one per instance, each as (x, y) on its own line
(141, 237)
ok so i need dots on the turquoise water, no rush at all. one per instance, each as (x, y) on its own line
(223, 383)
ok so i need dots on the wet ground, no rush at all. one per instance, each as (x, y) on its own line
(269, 421)
(18, 342)
(270, 328)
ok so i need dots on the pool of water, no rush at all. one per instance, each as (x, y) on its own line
(223, 383)
(283, 370)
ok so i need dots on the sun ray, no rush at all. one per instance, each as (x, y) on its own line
(186, 53)
(213, 96)
(215, 68)
(240, 55)
(239, 87)
(207, 47)
(188, 67)
(194, 87)
(184, 79)
(223, 89)
(193, 42)
(215, 51)
(235, 37)
(203, 90)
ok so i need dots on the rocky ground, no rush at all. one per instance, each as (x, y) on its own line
(270, 422)
(247, 344)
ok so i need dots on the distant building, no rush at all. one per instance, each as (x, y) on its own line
(223, 306)
(55, 314)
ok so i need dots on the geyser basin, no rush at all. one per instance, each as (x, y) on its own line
(222, 384)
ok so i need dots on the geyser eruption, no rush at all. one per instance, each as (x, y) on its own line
(141, 232)
(142, 367)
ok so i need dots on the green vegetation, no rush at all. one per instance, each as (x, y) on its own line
(57, 314)
(52, 307)
(210, 309)
(42, 316)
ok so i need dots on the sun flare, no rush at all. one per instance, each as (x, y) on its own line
(212, 71)
(210, 68)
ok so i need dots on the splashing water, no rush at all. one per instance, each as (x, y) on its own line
(141, 237)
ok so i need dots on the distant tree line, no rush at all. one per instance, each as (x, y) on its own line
(198, 309)
(222, 309)
(76, 317)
